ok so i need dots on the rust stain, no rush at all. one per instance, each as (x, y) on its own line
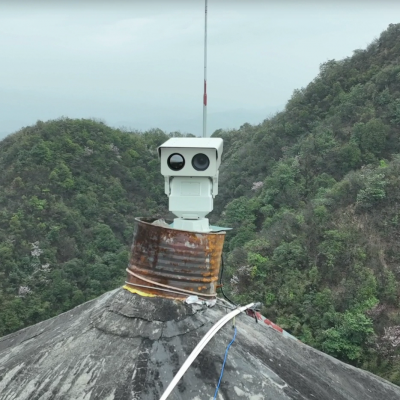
(186, 260)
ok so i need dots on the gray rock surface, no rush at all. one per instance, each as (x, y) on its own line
(121, 346)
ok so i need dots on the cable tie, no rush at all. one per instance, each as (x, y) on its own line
(158, 284)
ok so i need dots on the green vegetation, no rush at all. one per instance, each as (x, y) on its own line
(313, 195)
(69, 193)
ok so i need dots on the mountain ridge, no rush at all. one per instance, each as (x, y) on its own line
(315, 209)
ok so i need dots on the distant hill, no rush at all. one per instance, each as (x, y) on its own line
(69, 192)
(314, 196)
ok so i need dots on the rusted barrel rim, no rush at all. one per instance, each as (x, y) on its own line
(149, 221)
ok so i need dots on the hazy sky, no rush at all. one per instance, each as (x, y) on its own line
(139, 63)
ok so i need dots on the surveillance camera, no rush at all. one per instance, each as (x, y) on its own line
(190, 168)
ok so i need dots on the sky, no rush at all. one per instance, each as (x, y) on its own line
(138, 64)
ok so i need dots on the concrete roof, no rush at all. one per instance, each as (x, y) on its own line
(122, 346)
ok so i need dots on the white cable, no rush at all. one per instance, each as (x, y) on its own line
(207, 337)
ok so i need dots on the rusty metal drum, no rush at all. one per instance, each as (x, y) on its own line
(163, 258)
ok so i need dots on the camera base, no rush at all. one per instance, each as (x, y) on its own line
(192, 225)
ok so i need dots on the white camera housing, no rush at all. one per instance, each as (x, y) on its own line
(190, 168)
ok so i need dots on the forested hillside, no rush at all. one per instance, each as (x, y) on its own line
(69, 193)
(314, 196)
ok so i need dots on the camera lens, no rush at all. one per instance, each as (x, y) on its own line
(200, 162)
(176, 162)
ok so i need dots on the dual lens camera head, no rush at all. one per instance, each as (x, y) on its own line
(200, 162)
(190, 168)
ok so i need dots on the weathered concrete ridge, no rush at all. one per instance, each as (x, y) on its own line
(123, 346)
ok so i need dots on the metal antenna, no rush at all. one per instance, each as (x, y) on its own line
(205, 74)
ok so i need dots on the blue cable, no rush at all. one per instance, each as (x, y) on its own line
(223, 364)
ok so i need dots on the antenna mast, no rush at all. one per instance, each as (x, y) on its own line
(205, 74)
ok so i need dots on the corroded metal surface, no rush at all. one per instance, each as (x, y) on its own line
(181, 259)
